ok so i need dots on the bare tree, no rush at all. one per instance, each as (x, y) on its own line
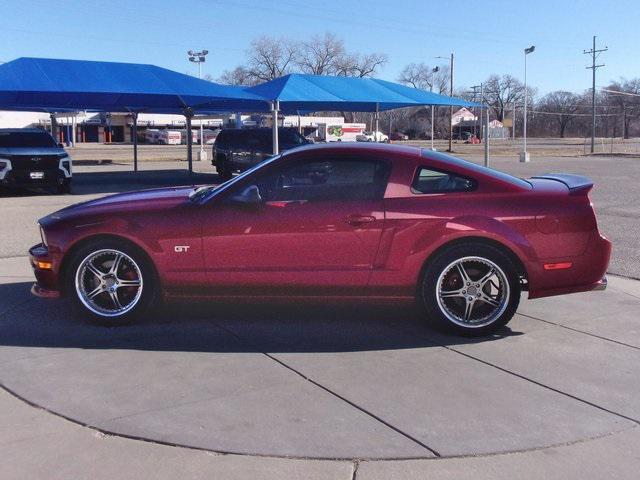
(320, 55)
(270, 58)
(421, 75)
(501, 91)
(238, 76)
(357, 65)
(562, 108)
(626, 103)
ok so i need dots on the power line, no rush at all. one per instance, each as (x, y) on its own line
(595, 53)
(617, 92)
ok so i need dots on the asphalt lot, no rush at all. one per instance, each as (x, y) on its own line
(255, 392)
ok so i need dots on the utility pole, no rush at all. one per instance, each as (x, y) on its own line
(594, 55)
(199, 58)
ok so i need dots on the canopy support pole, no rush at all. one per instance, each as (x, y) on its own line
(432, 127)
(134, 133)
(188, 115)
(54, 125)
(275, 105)
(73, 130)
(376, 117)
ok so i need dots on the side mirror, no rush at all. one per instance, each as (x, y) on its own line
(249, 196)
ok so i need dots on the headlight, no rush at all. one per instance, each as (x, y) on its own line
(5, 166)
(43, 237)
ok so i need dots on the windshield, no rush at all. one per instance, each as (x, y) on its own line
(26, 140)
(204, 193)
(291, 137)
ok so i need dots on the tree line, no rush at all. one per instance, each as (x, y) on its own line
(559, 113)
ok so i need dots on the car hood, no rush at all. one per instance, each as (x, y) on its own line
(9, 151)
(128, 202)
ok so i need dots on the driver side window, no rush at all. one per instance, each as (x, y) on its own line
(323, 180)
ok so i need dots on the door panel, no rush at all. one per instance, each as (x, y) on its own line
(306, 227)
(292, 247)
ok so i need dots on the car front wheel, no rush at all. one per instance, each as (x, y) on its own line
(112, 282)
(470, 290)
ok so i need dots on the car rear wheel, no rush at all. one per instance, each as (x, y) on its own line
(470, 290)
(112, 282)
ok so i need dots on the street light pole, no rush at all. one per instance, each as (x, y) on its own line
(199, 58)
(434, 70)
(451, 71)
(524, 155)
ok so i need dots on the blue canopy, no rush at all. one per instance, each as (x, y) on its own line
(298, 93)
(52, 85)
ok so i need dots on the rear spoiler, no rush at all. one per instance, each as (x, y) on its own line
(577, 184)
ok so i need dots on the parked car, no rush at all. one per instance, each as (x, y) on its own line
(398, 136)
(333, 223)
(30, 157)
(236, 150)
(375, 136)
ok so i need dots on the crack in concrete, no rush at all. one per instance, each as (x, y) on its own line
(580, 331)
(337, 395)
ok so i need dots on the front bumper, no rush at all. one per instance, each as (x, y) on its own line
(22, 179)
(47, 282)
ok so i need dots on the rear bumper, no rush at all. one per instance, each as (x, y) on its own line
(587, 273)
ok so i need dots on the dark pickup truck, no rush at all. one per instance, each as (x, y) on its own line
(31, 158)
(236, 150)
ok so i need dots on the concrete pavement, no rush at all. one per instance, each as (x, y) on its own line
(285, 392)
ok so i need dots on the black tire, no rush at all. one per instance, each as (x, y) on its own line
(223, 168)
(63, 189)
(441, 313)
(149, 286)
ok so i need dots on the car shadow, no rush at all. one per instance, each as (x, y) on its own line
(208, 327)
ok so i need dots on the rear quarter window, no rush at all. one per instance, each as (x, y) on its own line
(428, 180)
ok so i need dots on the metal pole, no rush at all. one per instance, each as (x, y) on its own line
(486, 136)
(135, 141)
(513, 125)
(594, 53)
(202, 155)
(486, 126)
(432, 128)
(451, 109)
(524, 156)
(275, 106)
(593, 97)
(189, 115)
(524, 124)
(375, 135)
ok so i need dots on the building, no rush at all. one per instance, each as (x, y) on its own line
(102, 127)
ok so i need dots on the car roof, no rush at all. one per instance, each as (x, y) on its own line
(361, 147)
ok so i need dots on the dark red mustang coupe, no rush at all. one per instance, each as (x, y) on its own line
(343, 222)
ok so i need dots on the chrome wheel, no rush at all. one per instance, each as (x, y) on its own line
(109, 282)
(472, 292)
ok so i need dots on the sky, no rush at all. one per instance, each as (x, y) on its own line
(486, 37)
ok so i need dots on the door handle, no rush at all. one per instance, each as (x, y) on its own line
(358, 220)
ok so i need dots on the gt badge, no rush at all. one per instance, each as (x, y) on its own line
(181, 248)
